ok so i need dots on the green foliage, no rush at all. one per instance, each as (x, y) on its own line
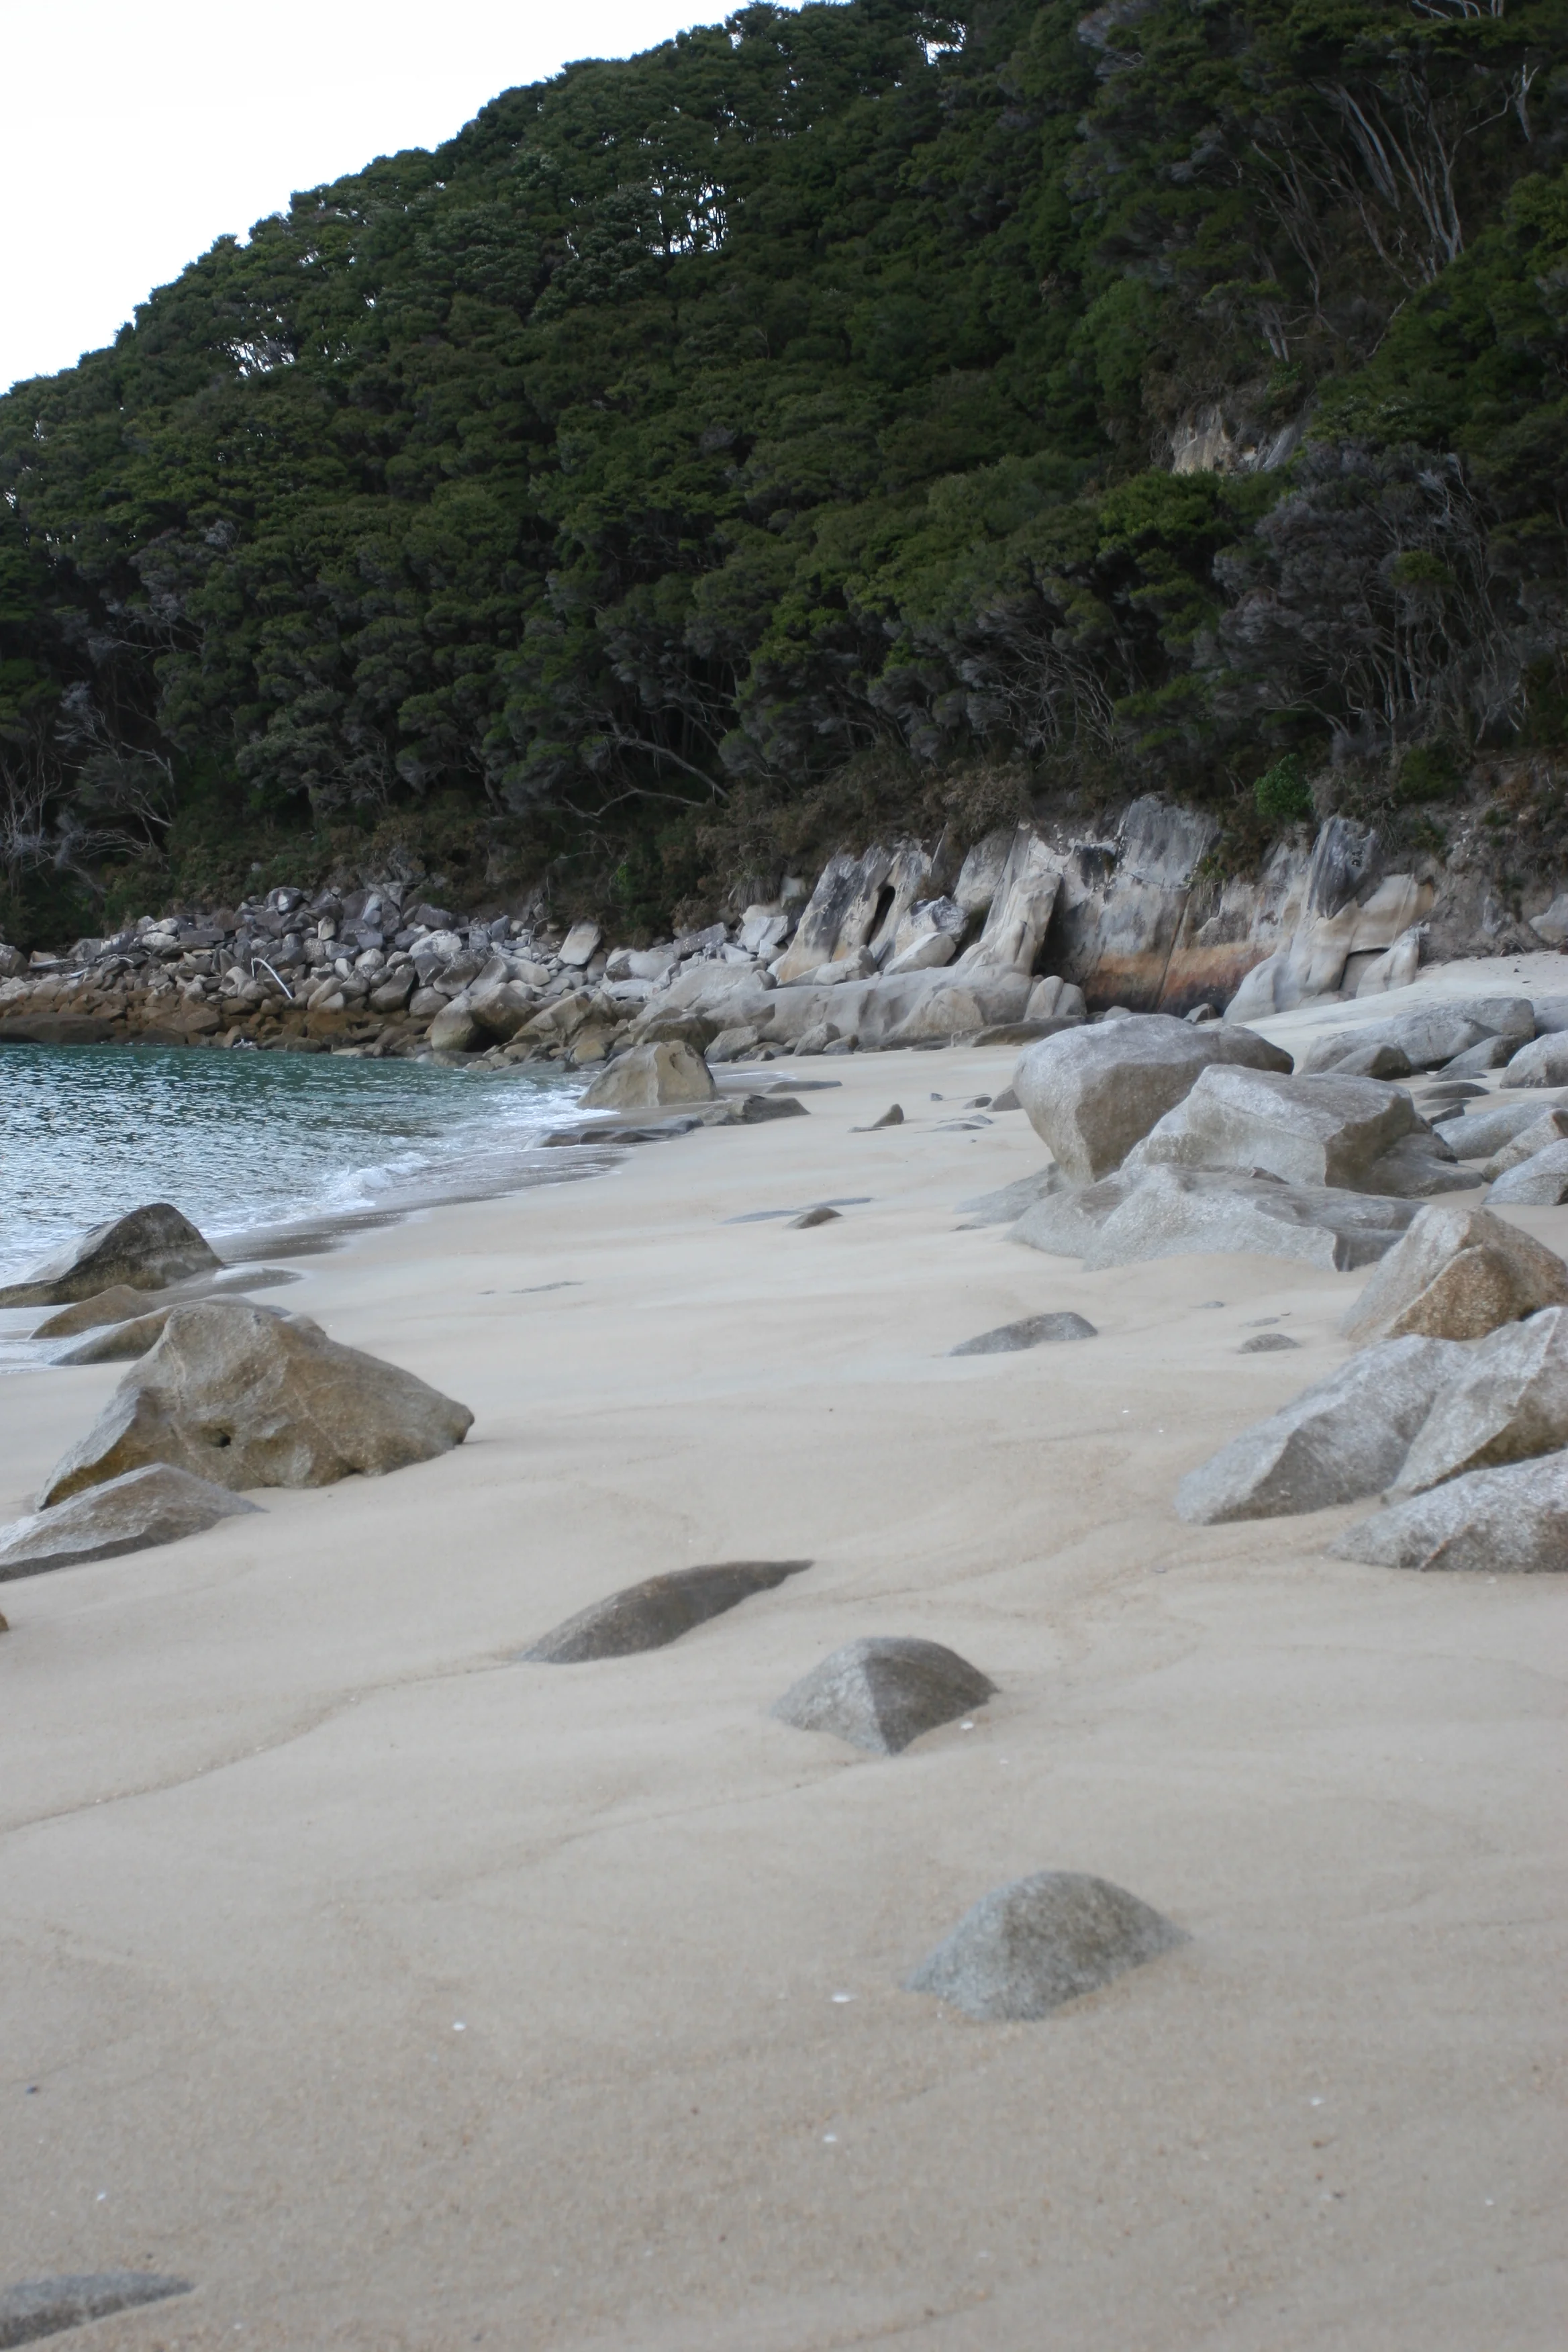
(1282, 793)
(690, 430)
(1427, 772)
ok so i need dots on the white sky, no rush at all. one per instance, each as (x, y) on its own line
(135, 134)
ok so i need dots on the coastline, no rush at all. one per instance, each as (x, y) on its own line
(280, 1814)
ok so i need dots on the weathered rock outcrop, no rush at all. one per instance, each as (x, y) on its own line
(1091, 1093)
(245, 1397)
(1344, 1437)
(1029, 1946)
(1326, 1131)
(1342, 930)
(1510, 1522)
(146, 1249)
(1456, 1275)
(883, 1692)
(658, 1610)
(1507, 1400)
(156, 1504)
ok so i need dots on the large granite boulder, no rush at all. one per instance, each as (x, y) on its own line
(648, 1616)
(1092, 1093)
(884, 1691)
(1539, 1183)
(1167, 1211)
(119, 1304)
(1507, 1522)
(649, 1076)
(1029, 1946)
(1457, 1273)
(155, 1504)
(1541, 1063)
(1343, 1438)
(1328, 1131)
(147, 1249)
(245, 1397)
(1506, 1401)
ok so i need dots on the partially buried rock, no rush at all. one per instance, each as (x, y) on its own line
(821, 1215)
(123, 1342)
(48, 2307)
(1508, 1401)
(1029, 1946)
(884, 1691)
(1344, 1437)
(117, 1305)
(649, 1076)
(1456, 1275)
(1172, 1212)
(892, 1117)
(1001, 1207)
(1268, 1343)
(1033, 1331)
(1092, 1093)
(1543, 1063)
(241, 1396)
(648, 1616)
(147, 1249)
(1512, 1522)
(156, 1504)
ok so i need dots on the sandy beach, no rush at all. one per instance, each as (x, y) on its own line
(405, 1996)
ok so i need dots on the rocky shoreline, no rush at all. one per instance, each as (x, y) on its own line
(902, 946)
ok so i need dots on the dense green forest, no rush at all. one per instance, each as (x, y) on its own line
(866, 408)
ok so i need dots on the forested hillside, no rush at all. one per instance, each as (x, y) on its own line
(865, 405)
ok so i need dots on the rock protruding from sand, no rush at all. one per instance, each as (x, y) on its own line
(1029, 1946)
(1481, 1134)
(1343, 1438)
(1429, 1036)
(647, 1077)
(1543, 1063)
(1169, 1211)
(1540, 1134)
(1506, 1401)
(1092, 1093)
(648, 1616)
(1510, 1522)
(123, 1343)
(1326, 1131)
(1268, 1343)
(120, 1304)
(884, 1691)
(1456, 1275)
(243, 1397)
(1538, 1182)
(41, 2307)
(147, 1249)
(1031, 1331)
(156, 1504)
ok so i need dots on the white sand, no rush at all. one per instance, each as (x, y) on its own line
(279, 1817)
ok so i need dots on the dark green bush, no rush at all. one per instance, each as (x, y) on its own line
(1282, 793)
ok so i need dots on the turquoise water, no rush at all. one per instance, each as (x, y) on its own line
(239, 1141)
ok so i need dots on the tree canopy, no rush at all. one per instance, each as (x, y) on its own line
(1171, 388)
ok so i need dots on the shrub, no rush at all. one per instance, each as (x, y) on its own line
(1282, 793)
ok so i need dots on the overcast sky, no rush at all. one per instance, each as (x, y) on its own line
(136, 134)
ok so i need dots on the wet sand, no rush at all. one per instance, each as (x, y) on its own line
(403, 1996)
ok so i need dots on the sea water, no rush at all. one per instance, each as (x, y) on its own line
(244, 1140)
